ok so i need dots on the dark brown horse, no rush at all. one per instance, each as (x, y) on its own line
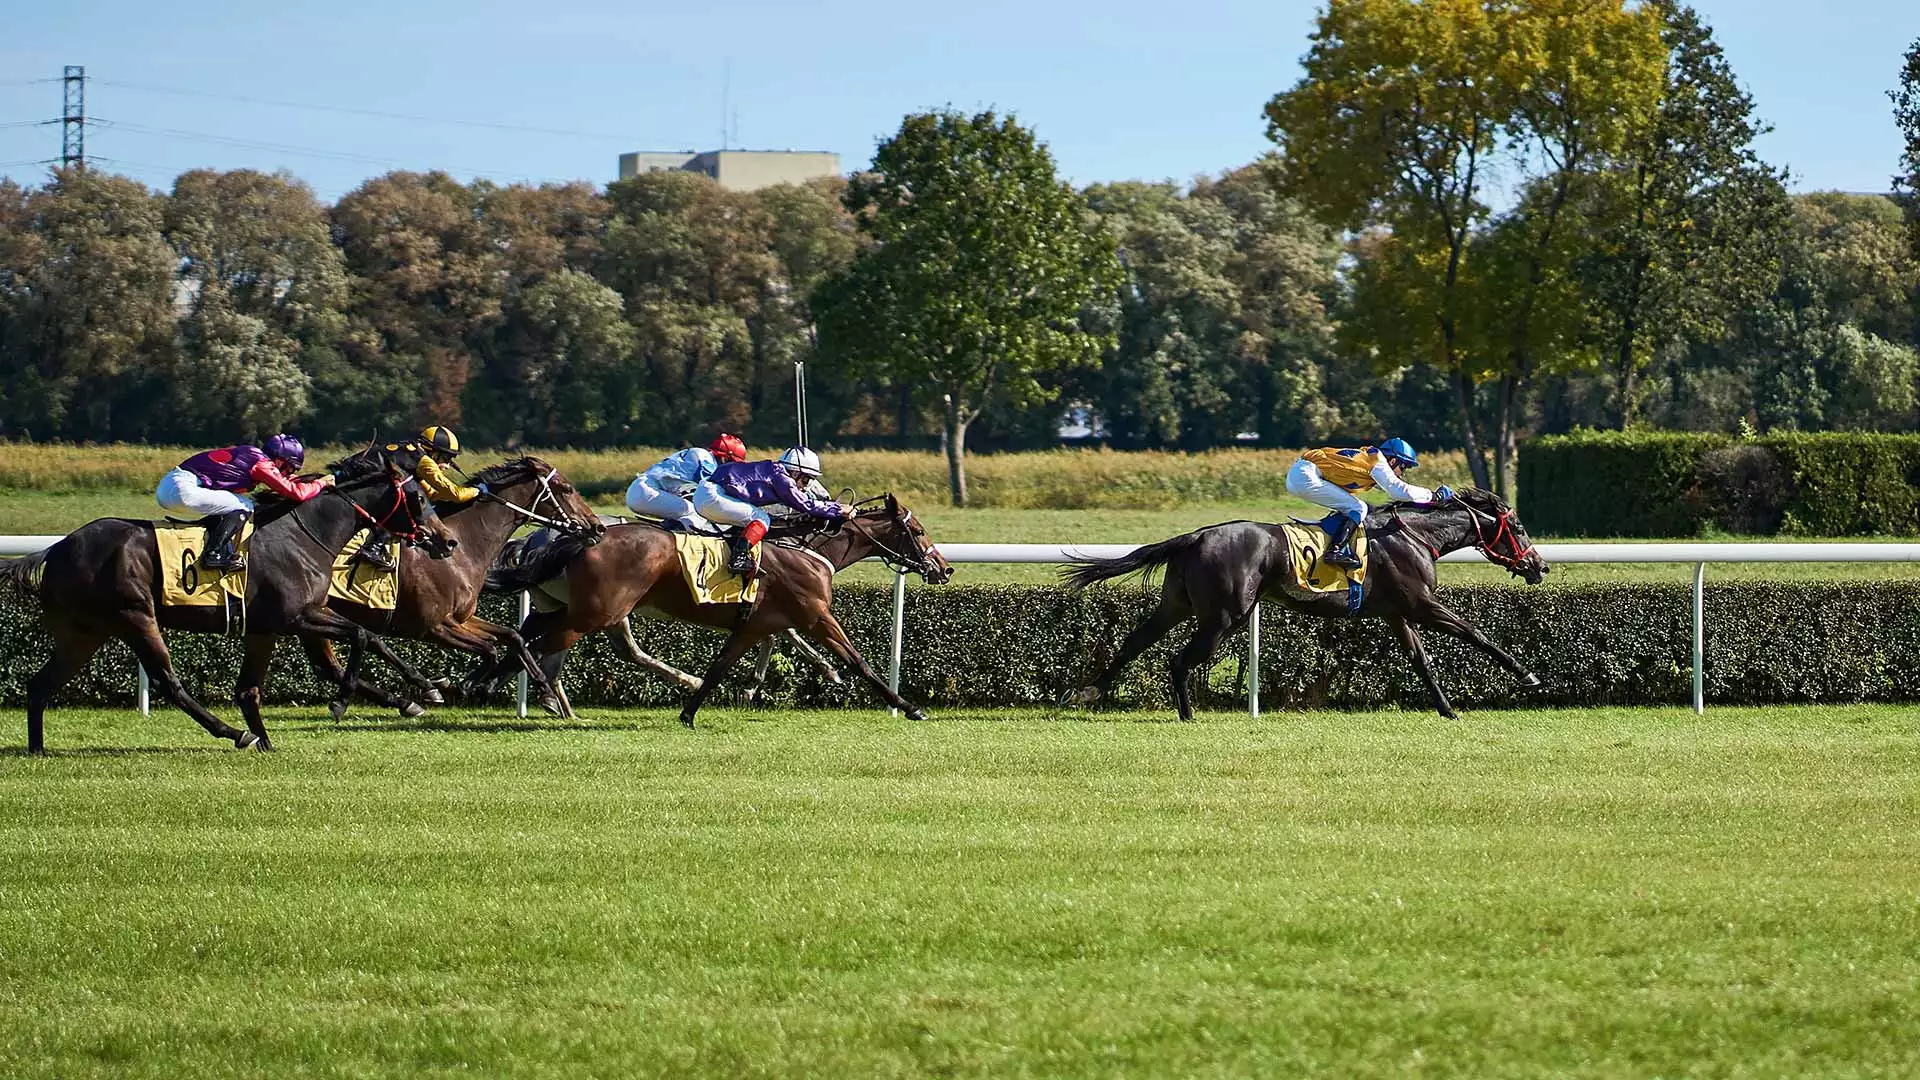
(1217, 574)
(637, 567)
(100, 581)
(439, 598)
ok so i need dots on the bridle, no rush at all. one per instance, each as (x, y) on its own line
(1502, 530)
(899, 562)
(413, 533)
(546, 493)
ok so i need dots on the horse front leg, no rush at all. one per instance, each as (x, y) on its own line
(1410, 638)
(737, 645)
(828, 631)
(327, 667)
(1444, 620)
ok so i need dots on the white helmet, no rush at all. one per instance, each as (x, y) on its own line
(801, 460)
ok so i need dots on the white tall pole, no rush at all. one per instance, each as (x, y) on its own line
(1253, 662)
(899, 634)
(800, 402)
(526, 609)
(1699, 638)
(145, 693)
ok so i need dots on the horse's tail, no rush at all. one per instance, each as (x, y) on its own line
(1085, 572)
(25, 572)
(512, 575)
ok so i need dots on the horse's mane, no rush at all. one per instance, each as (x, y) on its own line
(357, 467)
(507, 470)
(1479, 498)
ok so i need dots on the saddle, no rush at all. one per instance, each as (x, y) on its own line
(1311, 579)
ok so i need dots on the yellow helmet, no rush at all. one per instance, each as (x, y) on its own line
(441, 439)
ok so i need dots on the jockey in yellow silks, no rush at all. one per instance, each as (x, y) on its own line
(1333, 477)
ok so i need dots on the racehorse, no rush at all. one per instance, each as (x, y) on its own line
(1217, 574)
(99, 582)
(438, 598)
(636, 566)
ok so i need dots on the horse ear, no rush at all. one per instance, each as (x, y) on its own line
(893, 504)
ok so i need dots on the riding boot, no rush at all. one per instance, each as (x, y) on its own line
(740, 553)
(222, 554)
(1340, 545)
(377, 552)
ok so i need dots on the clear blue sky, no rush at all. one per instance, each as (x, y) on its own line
(1120, 89)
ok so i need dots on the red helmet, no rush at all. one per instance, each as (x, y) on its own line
(728, 448)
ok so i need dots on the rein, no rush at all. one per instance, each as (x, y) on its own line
(1487, 546)
(531, 513)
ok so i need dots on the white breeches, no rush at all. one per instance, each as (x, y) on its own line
(648, 501)
(715, 505)
(180, 493)
(1304, 480)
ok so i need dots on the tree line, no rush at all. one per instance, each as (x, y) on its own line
(1482, 219)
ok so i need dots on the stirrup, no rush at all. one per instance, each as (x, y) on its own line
(1342, 558)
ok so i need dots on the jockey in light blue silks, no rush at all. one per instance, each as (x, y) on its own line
(665, 491)
(739, 491)
(1331, 476)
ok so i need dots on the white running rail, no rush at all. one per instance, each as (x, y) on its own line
(1699, 555)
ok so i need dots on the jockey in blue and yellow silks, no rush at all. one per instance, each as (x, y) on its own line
(1332, 477)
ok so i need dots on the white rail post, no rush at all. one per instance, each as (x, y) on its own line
(1699, 638)
(526, 609)
(1253, 662)
(899, 633)
(144, 695)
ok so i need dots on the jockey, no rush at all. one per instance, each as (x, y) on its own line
(738, 492)
(438, 447)
(1330, 477)
(664, 491)
(213, 484)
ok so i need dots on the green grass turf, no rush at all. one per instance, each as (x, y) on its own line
(1578, 893)
(56, 513)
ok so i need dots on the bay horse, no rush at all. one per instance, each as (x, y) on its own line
(636, 566)
(439, 598)
(1217, 574)
(100, 582)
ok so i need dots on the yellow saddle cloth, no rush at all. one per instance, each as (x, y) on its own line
(1311, 577)
(184, 582)
(703, 560)
(358, 583)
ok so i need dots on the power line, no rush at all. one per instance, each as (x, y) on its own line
(151, 88)
(26, 123)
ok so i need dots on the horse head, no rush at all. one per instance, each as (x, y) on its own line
(383, 492)
(541, 495)
(901, 539)
(1495, 530)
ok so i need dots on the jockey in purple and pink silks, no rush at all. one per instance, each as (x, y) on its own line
(738, 490)
(213, 484)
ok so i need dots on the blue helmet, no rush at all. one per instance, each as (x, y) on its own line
(1398, 450)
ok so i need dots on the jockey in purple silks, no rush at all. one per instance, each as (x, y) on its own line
(213, 484)
(738, 490)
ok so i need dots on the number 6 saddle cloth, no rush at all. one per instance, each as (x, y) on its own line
(185, 583)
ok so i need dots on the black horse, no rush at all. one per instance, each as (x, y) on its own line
(1217, 574)
(100, 582)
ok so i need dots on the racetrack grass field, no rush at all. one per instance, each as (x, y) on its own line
(35, 512)
(1578, 893)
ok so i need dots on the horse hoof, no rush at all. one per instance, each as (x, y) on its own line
(244, 740)
(551, 705)
(434, 697)
(339, 711)
(412, 710)
(687, 719)
(834, 679)
(1530, 681)
(917, 714)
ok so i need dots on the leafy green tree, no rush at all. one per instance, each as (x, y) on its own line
(983, 265)
(1686, 224)
(86, 290)
(1906, 113)
(1396, 122)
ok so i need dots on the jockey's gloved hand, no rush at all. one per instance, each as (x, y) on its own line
(1443, 493)
(482, 489)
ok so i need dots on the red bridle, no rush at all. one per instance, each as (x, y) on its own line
(1502, 530)
(412, 533)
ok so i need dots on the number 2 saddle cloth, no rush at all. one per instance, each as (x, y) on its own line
(1312, 579)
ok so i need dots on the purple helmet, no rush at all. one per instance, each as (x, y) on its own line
(286, 448)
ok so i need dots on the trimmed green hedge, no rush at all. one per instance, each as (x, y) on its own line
(1668, 484)
(1023, 645)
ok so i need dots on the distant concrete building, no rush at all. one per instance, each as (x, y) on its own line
(737, 170)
